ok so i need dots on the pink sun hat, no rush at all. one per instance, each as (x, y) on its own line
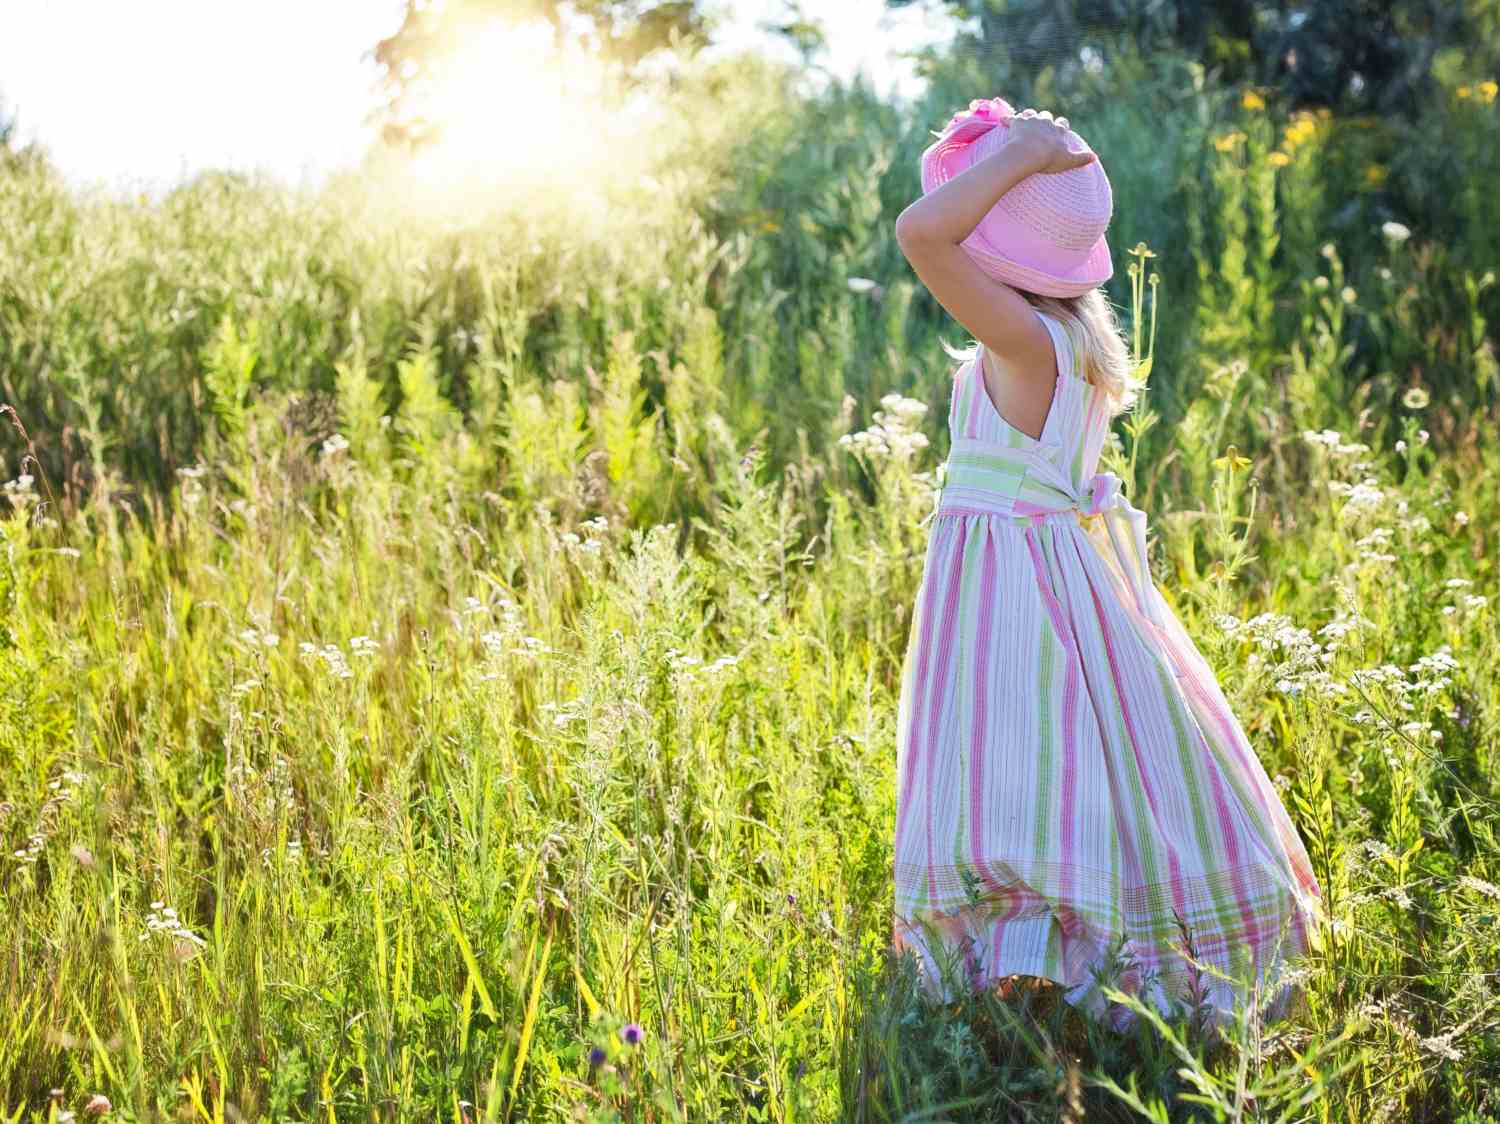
(1046, 234)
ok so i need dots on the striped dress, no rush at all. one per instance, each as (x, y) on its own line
(1071, 780)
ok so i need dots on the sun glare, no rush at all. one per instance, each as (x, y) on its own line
(511, 107)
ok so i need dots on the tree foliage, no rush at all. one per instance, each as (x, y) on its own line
(1354, 56)
(619, 31)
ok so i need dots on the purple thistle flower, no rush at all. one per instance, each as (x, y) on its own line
(596, 1057)
(632, 1033)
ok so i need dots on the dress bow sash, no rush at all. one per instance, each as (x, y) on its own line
(983, 477)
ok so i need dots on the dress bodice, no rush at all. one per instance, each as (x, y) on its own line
(1077, 423)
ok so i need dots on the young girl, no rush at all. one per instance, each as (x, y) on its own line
(1076, 801)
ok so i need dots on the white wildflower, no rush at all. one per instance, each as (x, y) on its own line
(1479, 886)
(163, 919)
(1416, 398)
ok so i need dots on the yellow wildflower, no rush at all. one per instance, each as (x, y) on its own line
(1464, 91)
(1228, 140)
(1231, 461)
(1487, 90)
(1301, 129)
(1252, 100)
(1279, 159)
(1375, 174)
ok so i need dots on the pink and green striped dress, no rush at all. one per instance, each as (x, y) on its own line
(1069, 773)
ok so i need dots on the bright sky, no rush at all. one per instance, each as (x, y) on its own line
(134, 96)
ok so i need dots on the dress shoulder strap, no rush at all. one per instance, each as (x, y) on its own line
(1065, 342)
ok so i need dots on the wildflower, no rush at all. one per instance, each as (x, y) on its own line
(163, 919)
(254, 637)
(1231, 461)
(1252, 100)
(1228, 140)
(596, 1057)
(1487, 90)
(1301, 129)
(363, 646)
(1320, 282)
(335, 444)
(20, 491)
(531, 646)
(1479, 886)
(894, 433)
(1461, 518)
(1278, 159)
(98, 1105)
(1327, 250)
(632, 1033)
(1395, 231)
(1375, 174)
(1464, 92)
(333, 658)
(1348, 294)
(1415, 398)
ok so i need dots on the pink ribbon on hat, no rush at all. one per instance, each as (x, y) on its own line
(995, 110)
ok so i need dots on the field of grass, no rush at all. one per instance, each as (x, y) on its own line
(448, 662)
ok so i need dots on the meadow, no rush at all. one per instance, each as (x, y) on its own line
(449, 655)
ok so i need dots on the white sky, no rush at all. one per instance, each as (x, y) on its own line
(135, 95)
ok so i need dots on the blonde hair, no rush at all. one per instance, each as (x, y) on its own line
(1100, 353)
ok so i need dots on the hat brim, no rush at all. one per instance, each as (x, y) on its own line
(1093, 270)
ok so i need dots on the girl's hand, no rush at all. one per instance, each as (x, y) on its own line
(1044, 140)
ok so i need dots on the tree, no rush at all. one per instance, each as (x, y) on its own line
(618, 31)
(1358, 56)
